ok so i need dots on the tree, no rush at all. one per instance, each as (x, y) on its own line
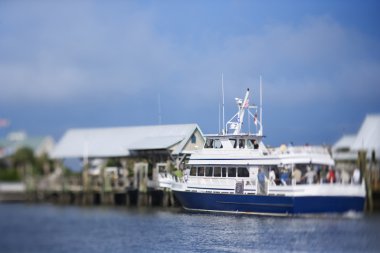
(23, 159)
(43, 164)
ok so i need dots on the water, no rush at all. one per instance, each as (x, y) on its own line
(53, 229)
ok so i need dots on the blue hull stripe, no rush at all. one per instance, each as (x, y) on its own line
(263, 204)
(257, 204)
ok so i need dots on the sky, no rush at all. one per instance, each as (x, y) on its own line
(84, 64)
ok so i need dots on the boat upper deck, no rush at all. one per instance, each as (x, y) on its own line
(231, 141)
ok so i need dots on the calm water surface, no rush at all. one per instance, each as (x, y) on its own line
(48, 228)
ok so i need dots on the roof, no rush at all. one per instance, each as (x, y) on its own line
(159, 142)
(345, 142)
(369, 134)
(368, 138)
(119, 141)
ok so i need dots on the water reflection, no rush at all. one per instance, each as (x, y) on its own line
(46, 228)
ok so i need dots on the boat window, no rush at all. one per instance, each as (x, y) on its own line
(217, 172)
(161, 169)
(201, 171)
(193, 171)
(218, 144)
(208, 171)
(232, 172)
(224, 171)
(233, 142)
(250, 144)
(193, 139)
(255, 144)
(209, 143)
(241, 143)
(243, 172)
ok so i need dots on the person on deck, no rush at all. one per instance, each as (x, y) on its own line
(331, 176)
(297, 174)
(272, 177)
(261, 178)
(255, 144)
(284, 177)
(356, 176)
(323, 175)
(309, 175)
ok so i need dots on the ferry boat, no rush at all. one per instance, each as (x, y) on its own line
(236, 173)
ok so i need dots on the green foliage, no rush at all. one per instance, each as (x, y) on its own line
(178, 173)
(113, 162)
(22, 157)
(3, 164)
(172, 168)
(68, 172)
(130, 165)
(131, 172)
(23, 162)
(43, 164)
(9, 175)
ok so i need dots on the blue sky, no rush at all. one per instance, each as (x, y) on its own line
(74, 64)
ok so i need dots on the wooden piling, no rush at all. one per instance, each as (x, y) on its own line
(365, 174)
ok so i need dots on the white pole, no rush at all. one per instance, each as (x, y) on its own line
(223, 104)
(249, 121)
(241, 113)
(85, 153)
(219, 118)
(261, 107)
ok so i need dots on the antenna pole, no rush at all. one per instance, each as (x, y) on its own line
(249, 121)
(223, 104)
(261, 107)
(85, 153)
(219, 118)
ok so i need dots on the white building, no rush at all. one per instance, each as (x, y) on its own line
(159, 147)
(171, 140)
(345, 150)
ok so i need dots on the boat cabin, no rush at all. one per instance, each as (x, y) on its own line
(232, 142)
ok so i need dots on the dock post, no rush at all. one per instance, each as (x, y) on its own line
(85, 186)
(127, 199)
(362, 163)
(167, 198)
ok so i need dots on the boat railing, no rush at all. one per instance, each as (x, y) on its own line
(248, 182)
(300, 150)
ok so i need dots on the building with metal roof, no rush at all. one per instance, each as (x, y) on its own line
(342, 149)
(152, 151)
(345, 150)
(128, 141)
(368, 137)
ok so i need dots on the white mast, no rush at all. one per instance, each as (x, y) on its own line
(219, 118)
(223, 130)
(242, 105)
(261, 108)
